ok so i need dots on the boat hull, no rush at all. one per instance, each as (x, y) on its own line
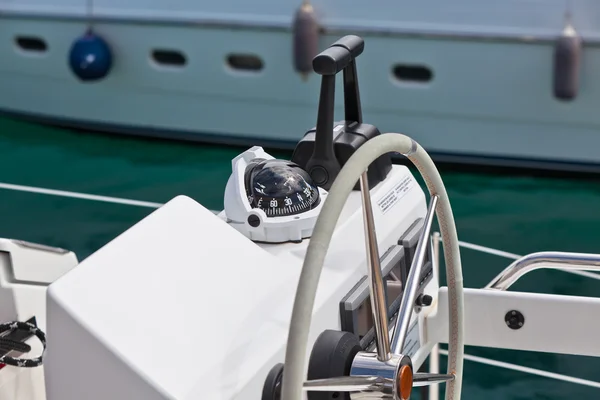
(486, 101)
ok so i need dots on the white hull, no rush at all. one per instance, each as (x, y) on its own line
(490, 94)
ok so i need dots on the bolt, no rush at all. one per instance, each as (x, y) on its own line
(253, 220)
(514, 319)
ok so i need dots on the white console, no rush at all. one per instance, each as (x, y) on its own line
(183, 306)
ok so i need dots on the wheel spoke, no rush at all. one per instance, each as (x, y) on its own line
(377, 291)
(426, 379)
(411, 285)
(371, 383)
(350, 384)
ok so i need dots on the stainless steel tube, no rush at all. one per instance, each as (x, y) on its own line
(412, 282)
(378, 303)
(546, 259)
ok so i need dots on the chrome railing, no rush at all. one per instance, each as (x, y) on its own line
(548, 260)
(574, 263)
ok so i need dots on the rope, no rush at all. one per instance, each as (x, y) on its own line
(27, 327)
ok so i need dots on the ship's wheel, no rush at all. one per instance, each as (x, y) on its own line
(386, 372)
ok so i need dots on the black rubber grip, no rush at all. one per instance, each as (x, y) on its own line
(331, 60)
(354, 44)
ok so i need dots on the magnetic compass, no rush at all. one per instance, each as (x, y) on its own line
(271, 200)
(280, 188)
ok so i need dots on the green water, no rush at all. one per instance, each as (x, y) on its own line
(519, 214)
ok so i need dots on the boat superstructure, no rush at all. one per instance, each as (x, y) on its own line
(511, 82)
(191, 304)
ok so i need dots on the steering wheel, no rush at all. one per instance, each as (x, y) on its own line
(386, 373)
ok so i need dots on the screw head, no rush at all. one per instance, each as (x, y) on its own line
(253, 220)
(514, 319)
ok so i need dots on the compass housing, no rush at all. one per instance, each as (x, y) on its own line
(280, 188)
(271, 200)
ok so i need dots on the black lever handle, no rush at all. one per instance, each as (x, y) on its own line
(323, 165)
(354, 44)
(339, 55)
